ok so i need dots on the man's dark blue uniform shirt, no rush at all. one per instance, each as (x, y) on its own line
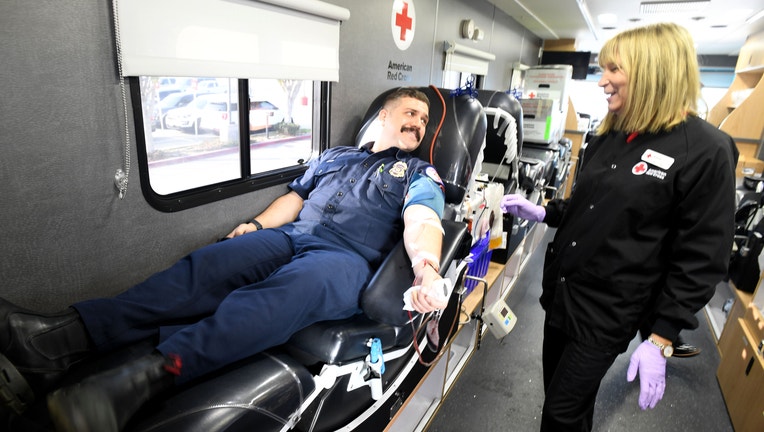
(355, 198)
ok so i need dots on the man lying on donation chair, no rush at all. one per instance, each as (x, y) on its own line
(305, 259)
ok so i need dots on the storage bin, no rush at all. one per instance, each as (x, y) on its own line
(480, 258)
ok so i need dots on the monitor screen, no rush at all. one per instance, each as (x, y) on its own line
(578, 59)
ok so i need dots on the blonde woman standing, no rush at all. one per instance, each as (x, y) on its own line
(645, 235)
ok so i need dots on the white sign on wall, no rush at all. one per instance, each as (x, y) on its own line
(403, 23)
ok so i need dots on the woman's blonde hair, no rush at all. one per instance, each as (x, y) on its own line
(661, 64)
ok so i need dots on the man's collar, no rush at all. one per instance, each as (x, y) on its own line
(399, 154)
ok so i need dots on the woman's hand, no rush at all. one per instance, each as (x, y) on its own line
(522, 208)
(648, 362)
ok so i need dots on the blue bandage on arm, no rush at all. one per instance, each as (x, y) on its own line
(426, 191)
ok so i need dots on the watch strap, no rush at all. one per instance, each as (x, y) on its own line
(662, 347)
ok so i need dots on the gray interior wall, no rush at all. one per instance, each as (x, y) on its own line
(368, 49)
(511, 43)
(65, 234)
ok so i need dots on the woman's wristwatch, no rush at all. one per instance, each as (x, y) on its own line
(666, 350)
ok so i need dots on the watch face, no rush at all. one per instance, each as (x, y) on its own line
(668, 351)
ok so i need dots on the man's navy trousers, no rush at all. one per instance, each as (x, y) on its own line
(233, 299)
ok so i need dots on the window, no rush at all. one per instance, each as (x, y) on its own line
(463, 64)
(219, 137)
(197, 146)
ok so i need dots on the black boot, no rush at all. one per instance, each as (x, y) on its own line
(105, 402)
(36, 351)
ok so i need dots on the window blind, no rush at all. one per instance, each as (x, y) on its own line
(460, 58)
(277, 39)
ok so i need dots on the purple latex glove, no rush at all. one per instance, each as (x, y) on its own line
(522, 208)
(647, 358)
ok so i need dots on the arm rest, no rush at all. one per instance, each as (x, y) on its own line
(382, 300)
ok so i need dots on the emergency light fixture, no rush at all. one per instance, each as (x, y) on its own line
(673, 6)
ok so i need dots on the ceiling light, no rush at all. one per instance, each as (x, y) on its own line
(673, 6)
(588, 18)
(607, 19)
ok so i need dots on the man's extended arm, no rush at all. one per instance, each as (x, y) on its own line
(423, 239)
(281, 211)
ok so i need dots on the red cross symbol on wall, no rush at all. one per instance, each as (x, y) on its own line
(403, 21)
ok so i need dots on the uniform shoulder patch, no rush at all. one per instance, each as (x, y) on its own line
(433, 174)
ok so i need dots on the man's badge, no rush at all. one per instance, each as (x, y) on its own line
(398, 169)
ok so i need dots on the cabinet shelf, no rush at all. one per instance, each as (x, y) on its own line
(751, 70)
(739, 111)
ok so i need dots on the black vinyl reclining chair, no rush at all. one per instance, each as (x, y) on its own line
(318, 380)
(504, 138)
(501, 159)
(553, 159)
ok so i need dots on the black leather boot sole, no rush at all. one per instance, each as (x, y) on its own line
(15, 392)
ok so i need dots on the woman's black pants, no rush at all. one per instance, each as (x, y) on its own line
(572, 375)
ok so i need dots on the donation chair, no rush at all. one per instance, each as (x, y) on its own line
(352, 374)
(501, 159)
(504, 138)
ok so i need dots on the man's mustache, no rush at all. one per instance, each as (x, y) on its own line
(412, 129)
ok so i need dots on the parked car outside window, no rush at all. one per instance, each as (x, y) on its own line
(206, 113)
(262, 116)
(219, 111)
(171, 101)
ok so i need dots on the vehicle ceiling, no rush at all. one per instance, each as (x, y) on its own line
(718, 26)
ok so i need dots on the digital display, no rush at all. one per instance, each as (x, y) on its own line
(578, 59)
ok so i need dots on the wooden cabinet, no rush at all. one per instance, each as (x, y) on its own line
(740, 112)
(741, 369)
(577, 138)
(741, 377)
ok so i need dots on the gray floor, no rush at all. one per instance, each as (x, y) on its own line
(501, 388)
